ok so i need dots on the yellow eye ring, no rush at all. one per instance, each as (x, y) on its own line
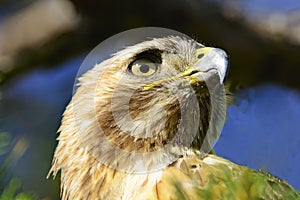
(143, 67)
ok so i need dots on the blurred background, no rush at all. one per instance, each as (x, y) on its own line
(43, 43)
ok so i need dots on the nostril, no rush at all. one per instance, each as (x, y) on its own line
(200, 55)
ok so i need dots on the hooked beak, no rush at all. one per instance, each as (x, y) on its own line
(212, 62)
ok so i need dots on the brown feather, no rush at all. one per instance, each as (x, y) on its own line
(92, 169)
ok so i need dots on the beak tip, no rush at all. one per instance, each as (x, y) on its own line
(222, 64)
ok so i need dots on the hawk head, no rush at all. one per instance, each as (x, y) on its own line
(137, 112)
(148, 101)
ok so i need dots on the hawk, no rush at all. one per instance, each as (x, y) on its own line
(141, 125)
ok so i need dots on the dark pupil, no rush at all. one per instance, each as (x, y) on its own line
(144, 68)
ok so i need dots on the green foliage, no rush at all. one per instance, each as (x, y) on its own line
(11, 191)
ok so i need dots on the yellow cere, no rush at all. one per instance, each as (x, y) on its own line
(203, 50)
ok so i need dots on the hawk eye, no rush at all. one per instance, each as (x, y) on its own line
(143, 67)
